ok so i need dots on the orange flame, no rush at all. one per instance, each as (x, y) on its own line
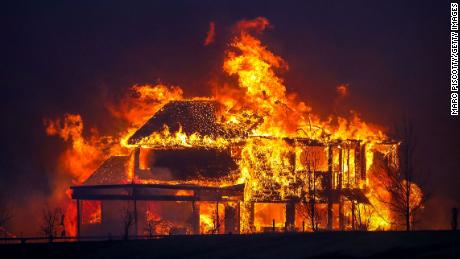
(211, 34)
(259, 105)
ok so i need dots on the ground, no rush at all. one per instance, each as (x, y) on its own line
(326, 244)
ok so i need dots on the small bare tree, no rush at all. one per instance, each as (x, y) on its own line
(406, 199)
(398, 179)
(216, 220)
(6, 213)
(308, 199)
(363, 216)
(51, 221)
(128, 221)
(150, 228)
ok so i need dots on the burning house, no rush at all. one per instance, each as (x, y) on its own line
(191, 182)
(251, 158)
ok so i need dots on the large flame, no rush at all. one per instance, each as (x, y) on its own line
(259, 105)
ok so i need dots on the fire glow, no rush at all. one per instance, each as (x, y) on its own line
(288, 158)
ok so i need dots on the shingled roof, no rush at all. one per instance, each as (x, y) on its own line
(192, 115)
(112, 171)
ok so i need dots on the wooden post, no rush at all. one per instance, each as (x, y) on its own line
(135, 217)
(363, 162)
(339, 187)
(137, 153)
(78, 218)
(238, 217)
(217, 217)
(353, 217)
(329, 188)
(357, 163)
(290, 215)
(231, 218)
(195, 218)
(250, 207)
(348, 167)
(136, 167)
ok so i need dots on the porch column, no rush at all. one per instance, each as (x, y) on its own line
(252, 228)
(78, 218)
(195, 220)
(290, 215)
(340, 187)
(329, 188)
(353, 217)
(135, 217)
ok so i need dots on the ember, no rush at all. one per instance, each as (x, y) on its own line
(250, 159)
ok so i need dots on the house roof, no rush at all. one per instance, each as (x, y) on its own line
(192, 115)
(112, 171)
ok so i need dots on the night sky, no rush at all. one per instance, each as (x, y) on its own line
(75, 56)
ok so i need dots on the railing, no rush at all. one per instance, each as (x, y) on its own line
(42, 239)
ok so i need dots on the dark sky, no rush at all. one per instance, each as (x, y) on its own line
(72, 56)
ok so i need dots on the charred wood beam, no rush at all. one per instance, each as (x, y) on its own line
(151, 197)
(137, 194)
(239, 187)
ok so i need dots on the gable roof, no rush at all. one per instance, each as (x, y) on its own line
(192, 115)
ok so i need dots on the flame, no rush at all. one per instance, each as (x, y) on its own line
(271, 163)
(141, 101)
(165, 138)
(267, 214)
(85, 154)
(264, 94)
(206, 219)
(211, 220)
(210, 36)
(91, 212)
(342, 90)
